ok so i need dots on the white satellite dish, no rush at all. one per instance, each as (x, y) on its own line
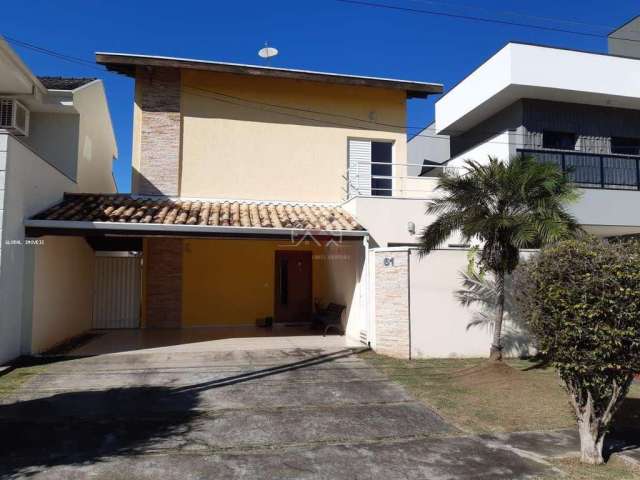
(268, 52)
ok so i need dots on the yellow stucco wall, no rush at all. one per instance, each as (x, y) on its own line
(238, 149)
(62, 291)
(231, 282)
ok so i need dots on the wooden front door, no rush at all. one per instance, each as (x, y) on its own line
(293, 295)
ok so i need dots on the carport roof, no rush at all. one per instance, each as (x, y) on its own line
(134, 214)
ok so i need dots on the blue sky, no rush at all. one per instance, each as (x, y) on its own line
(322, 35)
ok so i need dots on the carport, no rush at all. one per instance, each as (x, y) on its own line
(188, 271)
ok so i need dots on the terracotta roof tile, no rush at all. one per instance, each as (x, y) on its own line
(123, 208)
(64, 83)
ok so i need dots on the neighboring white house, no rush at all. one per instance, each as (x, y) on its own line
(580, 110)
(55, 136)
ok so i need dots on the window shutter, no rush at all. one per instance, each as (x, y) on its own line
(359, 168)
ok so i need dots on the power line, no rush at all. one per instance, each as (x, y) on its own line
(261, 107)
(459, 16)
(58, 55)
(88, 63)
(514, 13)
(236, 98)
(330, 114)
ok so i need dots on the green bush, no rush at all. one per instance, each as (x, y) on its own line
(581, 301)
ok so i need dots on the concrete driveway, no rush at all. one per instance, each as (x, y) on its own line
(269, 414)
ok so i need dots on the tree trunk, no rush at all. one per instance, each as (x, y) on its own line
(591, 440)
(496, 345)
(592, 425)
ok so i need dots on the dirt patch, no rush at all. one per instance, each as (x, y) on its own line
(489, 372)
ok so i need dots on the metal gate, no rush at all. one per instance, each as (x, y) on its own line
(116, 296)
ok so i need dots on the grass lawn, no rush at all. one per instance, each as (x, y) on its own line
(482, 397)
(516, 395)
(615, 469)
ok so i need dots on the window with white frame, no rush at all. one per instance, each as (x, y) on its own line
(370, 167)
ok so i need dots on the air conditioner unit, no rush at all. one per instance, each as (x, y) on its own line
(14, 116)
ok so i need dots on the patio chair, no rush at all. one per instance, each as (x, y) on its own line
(330, 317)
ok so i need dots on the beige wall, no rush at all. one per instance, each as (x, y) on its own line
(62, 291)
(96, 140)
(80, 143)
(438, 320)
(54, 137)
(239, 149)
(386, 219)
(136, 141)
(343, 271)
(31, 185)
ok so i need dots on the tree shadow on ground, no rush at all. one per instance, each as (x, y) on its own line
(538, 362)
(82, 427)
(625, 431)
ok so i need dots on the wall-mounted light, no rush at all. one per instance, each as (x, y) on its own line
(411, 227)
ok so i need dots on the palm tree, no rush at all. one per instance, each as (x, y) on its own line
(505, 206)
(479, 290)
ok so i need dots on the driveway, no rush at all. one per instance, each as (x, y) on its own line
(269, 414)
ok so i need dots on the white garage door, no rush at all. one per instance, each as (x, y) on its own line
(116, 297)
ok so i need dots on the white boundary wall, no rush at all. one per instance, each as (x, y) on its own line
(438, 321)
(434, 323)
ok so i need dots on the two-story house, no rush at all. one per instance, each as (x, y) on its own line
(240, 178)
(55, 137)
(262, 193)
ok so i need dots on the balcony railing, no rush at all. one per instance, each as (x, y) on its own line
(593, 170)
(365, 179)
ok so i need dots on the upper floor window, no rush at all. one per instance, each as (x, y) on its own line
(625, 145)
(558, 140)
(370, 167)
(381, 182)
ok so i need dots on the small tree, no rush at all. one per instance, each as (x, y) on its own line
(581, 299)
(506, 206)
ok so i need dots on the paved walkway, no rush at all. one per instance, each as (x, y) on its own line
(269, 414)
(208, 339)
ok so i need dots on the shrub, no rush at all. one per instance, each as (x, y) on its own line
(581, 300)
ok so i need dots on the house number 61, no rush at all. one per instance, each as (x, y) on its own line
(388, 262)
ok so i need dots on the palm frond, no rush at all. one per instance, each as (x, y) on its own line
(437, 232)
